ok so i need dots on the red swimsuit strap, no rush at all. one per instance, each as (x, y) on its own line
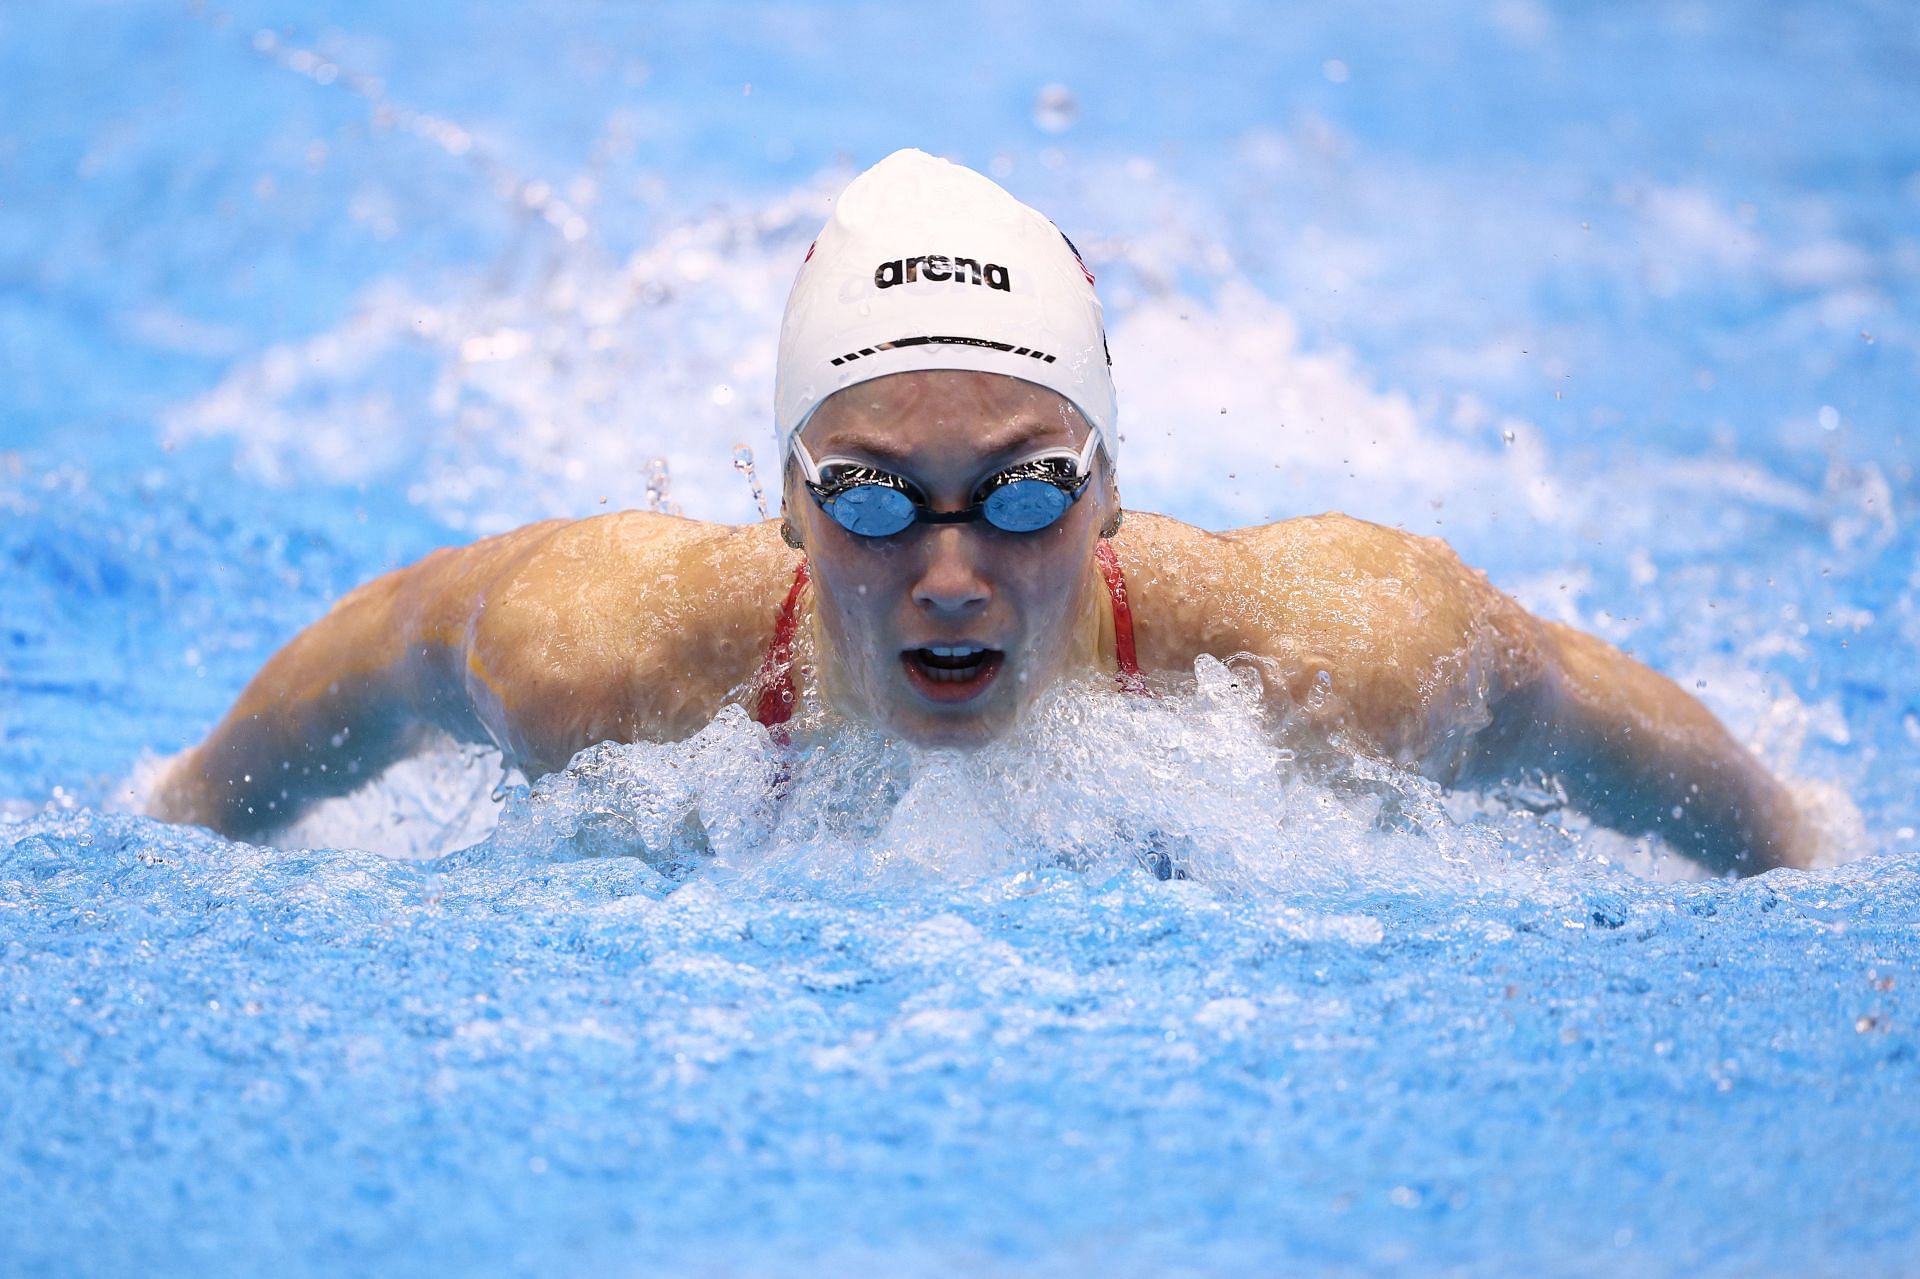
(775, 680)
(775, 704)
(1123, 651)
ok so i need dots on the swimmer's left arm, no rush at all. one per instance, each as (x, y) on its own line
(1425, 662)
(1632, 749)
(1638, 753)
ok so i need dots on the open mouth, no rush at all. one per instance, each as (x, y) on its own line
(952, 672)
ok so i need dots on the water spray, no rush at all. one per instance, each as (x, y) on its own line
(659, 486)
(743, 463)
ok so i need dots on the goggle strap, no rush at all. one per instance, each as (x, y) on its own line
(809, 471)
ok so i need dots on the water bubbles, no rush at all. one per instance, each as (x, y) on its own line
(1055, 109)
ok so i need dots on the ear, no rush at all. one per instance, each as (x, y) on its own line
(789, 487)
(1119, 512)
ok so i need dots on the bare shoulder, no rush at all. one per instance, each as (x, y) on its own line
(1403, 631)
(609, 563)
(1330, 577)
(1357, 571)
(629, 625)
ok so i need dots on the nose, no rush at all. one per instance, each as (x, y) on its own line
(950, 583)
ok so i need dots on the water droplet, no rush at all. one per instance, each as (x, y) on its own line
(1055, 108)
(659, 484)
(743, 463)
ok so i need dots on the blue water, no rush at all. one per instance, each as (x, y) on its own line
(1618, 299)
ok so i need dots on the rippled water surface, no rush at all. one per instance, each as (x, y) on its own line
(1617, 299)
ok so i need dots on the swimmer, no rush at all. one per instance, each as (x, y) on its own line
(952, 545)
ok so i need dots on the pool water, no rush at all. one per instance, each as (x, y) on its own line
(1619, 300)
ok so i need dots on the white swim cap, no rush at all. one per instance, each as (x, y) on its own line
(928, 265)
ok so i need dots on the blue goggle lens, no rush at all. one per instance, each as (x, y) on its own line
(871, 510)
(1025, 506)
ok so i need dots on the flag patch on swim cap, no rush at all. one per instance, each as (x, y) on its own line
(1005, 292)
(1076, 256)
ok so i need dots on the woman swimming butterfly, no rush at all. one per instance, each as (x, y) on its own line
(952, 546)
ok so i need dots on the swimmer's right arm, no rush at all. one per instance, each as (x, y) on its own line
(346, 697)
(627, 627)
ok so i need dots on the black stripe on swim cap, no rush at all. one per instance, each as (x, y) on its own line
(942, 339)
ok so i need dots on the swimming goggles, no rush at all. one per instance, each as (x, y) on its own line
(1023, 498)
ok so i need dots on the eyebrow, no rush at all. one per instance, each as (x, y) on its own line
(1023, 435)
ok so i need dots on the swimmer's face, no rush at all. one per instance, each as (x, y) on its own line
(944, 634)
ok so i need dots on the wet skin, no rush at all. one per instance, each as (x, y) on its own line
(636, 626)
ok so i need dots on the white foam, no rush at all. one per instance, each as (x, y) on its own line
(447, 797)
(1197, 782)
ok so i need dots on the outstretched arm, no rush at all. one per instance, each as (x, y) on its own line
(1640, 754)
(629, 626)
(1387, 640)
(345, 698)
